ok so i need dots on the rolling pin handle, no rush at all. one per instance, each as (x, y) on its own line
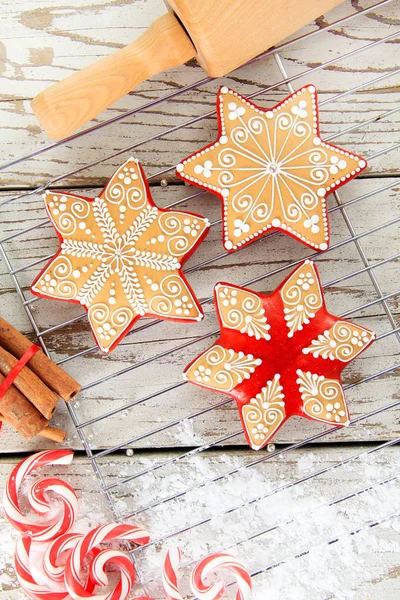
(69, 104)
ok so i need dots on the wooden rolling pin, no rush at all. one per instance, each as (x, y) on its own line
(221, 34)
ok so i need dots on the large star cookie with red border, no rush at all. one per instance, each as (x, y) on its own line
(271, 169)
(121, 256)
(280, 355)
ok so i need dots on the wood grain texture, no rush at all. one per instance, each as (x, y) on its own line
(165, 339)
(41, 44)
(44, 44)
(229, 34)
(67, 105)
(365, 565)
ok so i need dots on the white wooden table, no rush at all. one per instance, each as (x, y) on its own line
(43, 42)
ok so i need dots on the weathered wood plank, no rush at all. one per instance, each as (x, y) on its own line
(300, 517)
(43, 44)
(249, 263)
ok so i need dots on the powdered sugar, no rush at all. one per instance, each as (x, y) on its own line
(304, 541)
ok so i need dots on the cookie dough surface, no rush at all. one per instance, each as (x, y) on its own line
(271, 169)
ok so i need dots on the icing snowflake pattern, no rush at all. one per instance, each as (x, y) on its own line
(120, 256)
(344, 341)
(264, 413)
(223, 369)
(240, 309)
(302, 297)
(323, 398)
(271, 356)
(271, 169)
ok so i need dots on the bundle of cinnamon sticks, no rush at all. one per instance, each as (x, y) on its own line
(29, 403)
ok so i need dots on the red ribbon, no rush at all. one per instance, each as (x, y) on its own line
(16, 370)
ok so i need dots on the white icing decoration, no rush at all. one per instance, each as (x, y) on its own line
(322, 398)
(118, 261)
(285, 169)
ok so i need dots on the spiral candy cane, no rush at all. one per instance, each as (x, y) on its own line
(62, 544)
(216, 591)
(170, 574)
(53, 526)
(25, 577)
(96, 570)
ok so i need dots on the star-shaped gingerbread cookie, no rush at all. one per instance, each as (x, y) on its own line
(271, 169)
(280, 355)
(121, 256)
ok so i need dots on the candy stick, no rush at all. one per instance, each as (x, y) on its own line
(55, 524)
(213, 592)
(90, 541)
(170, 574)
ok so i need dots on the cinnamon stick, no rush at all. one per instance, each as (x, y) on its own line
(30, 385)
(54, 434)
(49, 433)
(51, 374)
(20, 413)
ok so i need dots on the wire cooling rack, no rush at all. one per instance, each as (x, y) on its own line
(125, 491)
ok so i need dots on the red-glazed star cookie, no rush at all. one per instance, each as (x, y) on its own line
(280, 355)
(121, 256)
(271, 169)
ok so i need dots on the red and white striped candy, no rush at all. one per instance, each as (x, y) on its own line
(56, 552)
(57, 522)
(170, 574)
(122, 562)
(92, 540)
(216, 591)
(25, 577)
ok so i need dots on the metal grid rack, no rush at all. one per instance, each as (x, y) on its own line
(113, 487)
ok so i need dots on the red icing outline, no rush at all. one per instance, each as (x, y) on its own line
(280, 345)
(182, 260)
(265, 110)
